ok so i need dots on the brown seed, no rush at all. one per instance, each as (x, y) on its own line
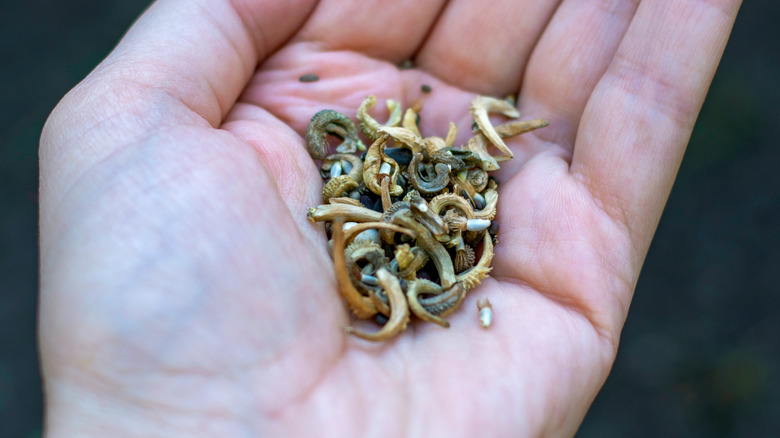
(309, 77)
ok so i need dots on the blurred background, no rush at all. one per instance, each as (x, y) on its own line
(700, 353)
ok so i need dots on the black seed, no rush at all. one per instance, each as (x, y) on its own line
(367, 201)
(493, 227)
(309, 77)
(380, 319)
(401, 156)
(478, 204)
(426, 88)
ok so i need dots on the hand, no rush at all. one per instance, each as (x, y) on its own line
(183, 292)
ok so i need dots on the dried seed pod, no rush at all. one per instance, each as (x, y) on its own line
(438, 254)
(410, 121)
(473, 276)
(449, 201)
(371, 255)
(337, 187)
(329, 212)
(480, 107)
(361, 306)
(429, 184)
(399, 310)
(329, 122)
(433, 308)
(372, 177)
(406, 138)
(345, 200)
(368, 125)
(488, 212)
(478, 179)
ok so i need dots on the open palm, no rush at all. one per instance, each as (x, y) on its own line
(184, 293)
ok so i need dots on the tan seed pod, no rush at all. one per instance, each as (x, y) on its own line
(335, 187)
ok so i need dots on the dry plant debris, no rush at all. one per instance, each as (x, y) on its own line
(411, 220)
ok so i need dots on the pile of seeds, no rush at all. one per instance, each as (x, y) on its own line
(411, 218)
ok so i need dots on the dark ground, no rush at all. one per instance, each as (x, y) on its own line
(700, 354)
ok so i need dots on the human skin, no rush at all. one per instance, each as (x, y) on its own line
(184, 293)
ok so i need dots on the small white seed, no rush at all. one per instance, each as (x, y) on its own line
(371, 235)
(485, 313)
(384, 169)
(346, 166)
(477, 224)
(335, 169)
(369, 280)
(348, 225)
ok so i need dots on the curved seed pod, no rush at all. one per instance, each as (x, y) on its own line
(449, 201)
(368, 125)
(480, 107)
(351, 213)
(443, 304)
(445, 156)
(410, 122)
(461, 185)
(491, 204)
(372, 177)
(399, 310)
(329, 122)
(430, 186)
(438, 254)
(363, 307)
(478, 145)
(405, 138)
(475, 275)
(336, 187)
(516, 128)
(364, 304)
(434, 145)
(345, 200)
(419, 287)
(427, 217)
(374, 256)
(356, 172)
(452, 133)
(388, 216)
(478, 179)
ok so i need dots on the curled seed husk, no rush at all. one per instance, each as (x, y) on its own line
(478, 179)
(368, 125)
(428, 185)
(480, 107)
(399, 310)
(336, 187)
(361, 306)
(473, 276)
(372, 177)
(329, 122)
(329, 212)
